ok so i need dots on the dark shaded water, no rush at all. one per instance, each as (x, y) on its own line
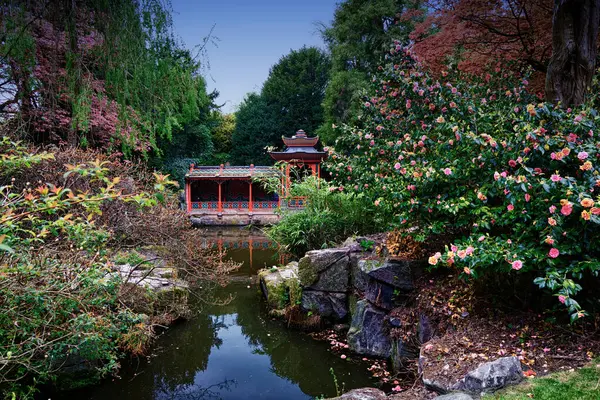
(234, 352)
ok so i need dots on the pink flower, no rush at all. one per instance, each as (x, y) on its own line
(555, 178)
(566, 209)
(470, 250)
(527, 197)
(447, 171)
(462, 254)
(343, 356)
(510, 207)
(582, 155)
(552, 209)
(562, 299)
(397, 165)
(517, 265)
(481, 238)
(454, 248)
(553, 253)
(512, 163)
(396, 388)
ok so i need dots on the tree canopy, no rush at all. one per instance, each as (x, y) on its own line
(358, 38)
(106, 73)
(290, 99)
(253, 132)
(295, 89)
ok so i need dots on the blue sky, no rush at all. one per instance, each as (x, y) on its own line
(253, 35)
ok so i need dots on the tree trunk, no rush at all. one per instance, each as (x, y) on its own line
(574, 49)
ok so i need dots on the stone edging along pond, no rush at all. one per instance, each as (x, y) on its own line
(351, 283)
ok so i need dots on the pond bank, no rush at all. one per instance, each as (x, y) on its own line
(234, 350)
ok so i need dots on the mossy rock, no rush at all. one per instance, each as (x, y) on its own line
(306, 273)
(326, 270)
(280, 286)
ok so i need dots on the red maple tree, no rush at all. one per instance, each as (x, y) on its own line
(477, 34)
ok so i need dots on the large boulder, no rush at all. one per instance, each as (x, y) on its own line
(491, 376)
(386, 281)
(454, 396)
(359, 278)
(382, 295)
(325, 270)
(394, 273)
(280, 286)
(362, 394)
(369, 333)
(326, 304)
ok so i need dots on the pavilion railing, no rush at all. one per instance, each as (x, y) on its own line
(295, 202)
(213, 206)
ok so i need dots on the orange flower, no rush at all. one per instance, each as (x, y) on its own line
(585, 215)
(552, 221)
(587, 203)
(564, 202)
(467, 270)
(586, 166)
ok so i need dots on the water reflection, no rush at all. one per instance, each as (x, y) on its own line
(233, 351)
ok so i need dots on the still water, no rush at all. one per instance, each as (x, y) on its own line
(234, 351)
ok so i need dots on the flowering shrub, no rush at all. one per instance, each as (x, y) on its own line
(482, 160)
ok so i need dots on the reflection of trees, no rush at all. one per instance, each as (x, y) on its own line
(294, 356)
(194, 392)
(188, 349)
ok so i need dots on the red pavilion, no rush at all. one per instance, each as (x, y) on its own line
(227, 195)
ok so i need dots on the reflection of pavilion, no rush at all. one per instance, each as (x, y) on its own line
(228, 195)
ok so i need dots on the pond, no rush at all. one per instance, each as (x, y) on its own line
(235, 351)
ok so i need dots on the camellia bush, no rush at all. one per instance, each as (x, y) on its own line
(513, 183)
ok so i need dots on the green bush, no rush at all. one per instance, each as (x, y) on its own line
(58, 297)
(330, 216)
(481, 160)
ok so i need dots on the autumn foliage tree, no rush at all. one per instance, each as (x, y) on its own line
(476, 34)
(557, 42)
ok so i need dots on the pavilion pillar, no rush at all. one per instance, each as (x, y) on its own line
(313, 168)
(220, 201)
(287, 178)
(250, 207)
(188, 196)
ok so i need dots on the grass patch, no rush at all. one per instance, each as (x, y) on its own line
(581, 384)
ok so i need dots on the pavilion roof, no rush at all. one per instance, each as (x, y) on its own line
(227, 171)
(299, 147)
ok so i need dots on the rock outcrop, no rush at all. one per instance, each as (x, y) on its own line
(280, 286)
(369, 333)
(491, 376)
(325, 270)
(362, 394)
(327, 304)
